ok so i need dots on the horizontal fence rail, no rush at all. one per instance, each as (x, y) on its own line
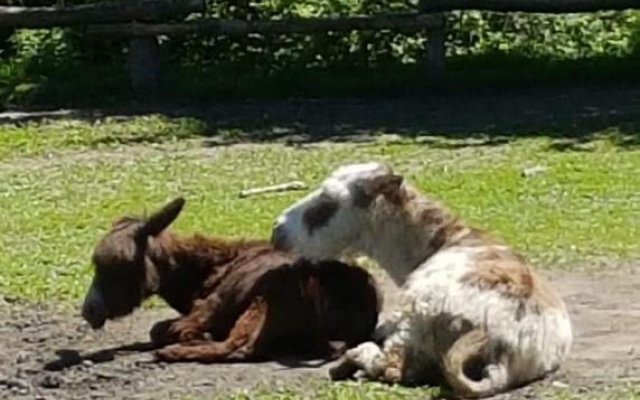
(97, 13)
(532, 6)
(399, 21)
(122, 14)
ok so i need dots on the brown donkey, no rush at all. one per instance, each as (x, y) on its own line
(239, 300)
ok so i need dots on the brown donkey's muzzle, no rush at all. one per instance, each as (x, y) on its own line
(93, 308)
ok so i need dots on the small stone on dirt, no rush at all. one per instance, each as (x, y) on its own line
(17, 386)
(22, 357)
(50, 381)
(99, 395)
(108, 375)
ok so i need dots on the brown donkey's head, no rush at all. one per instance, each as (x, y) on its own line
(123, 274)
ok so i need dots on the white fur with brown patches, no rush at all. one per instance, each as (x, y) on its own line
(459, 286)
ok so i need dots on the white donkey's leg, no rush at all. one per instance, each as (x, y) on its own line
(367, 357)
(396, 347)
(387, 327)
(384, 363)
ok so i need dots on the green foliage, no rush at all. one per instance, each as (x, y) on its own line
(38, 55)
(289, 51)
(41, 50)
(56, 64)
(552, 36)
(634, 40)
(470, 33)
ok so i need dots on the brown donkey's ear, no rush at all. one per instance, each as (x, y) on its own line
(162, 218)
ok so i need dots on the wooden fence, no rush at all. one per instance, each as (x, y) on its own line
(142, 21)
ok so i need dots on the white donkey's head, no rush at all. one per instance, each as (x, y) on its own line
(333, 217)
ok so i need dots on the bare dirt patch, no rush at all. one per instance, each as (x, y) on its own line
(50, 353)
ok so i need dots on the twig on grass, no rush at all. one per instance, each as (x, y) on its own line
(295, 185)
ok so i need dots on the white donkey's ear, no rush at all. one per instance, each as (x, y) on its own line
(387, 185)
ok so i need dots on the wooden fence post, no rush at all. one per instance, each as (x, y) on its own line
(436, 49)
(144, 63)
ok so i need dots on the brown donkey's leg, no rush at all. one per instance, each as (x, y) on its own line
(188, 328)
(237, 347)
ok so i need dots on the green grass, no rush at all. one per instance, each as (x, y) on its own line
(375, 391)
(342, 391)
(33, 139)
(583, 208)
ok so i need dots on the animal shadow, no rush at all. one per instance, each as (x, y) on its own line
(68, 357)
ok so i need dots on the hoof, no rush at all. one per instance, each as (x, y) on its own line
(344, 369)
(392, 375)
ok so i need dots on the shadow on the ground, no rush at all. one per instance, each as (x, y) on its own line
(67, 358)
(570, 114)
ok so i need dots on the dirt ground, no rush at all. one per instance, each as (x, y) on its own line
(51, 354)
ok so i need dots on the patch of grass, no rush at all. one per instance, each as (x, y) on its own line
(584, 207)
(49, 137)
(619, 392)
(336, 391)
(374, 391)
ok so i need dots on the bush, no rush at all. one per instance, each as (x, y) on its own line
(469, 33)
(40, 51)
(549, 36)
(49, 60)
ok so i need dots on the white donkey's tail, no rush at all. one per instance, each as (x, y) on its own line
(471, 347)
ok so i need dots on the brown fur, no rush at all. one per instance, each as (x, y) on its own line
(504, 272)
(501, 270)
(240, 300)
